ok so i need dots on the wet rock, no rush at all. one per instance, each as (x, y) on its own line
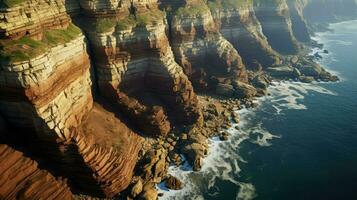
(194, 150)
(260, 82)
(317, 55)
(235, 117)
(173, 183)
(223, 137)
(197, 164)
(296, 72)
(306, 79)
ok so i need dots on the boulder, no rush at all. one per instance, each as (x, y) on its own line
(224, 89)
(243, 90)
(296, 72)
(306, 79)
(294, 59)
(137, 188)
(197, 164)
(311, 70)
(281, 71)
(150, 194)
(260, 82)
(194, 150)
(173, 183)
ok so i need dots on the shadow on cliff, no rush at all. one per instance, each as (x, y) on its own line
(60, 159)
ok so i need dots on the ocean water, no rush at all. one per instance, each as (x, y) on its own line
(299, 143)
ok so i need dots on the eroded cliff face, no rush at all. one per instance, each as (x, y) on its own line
(299, 23)
(275, 19)
(46, 92)
(205, 55)
(22, 179)
(142, 62)
(238, 23)
(133, 61)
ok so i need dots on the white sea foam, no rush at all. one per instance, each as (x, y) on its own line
(223, 162)
(224, 159)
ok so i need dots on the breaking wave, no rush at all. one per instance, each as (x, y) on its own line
(222, 163)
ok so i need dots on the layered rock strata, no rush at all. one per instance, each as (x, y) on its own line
(238, 23)
(144, 56)
(299, 24)
(205, 55)
(133, 61)
(46, 82)
(31, 18)
(22, 179)
(275, 19)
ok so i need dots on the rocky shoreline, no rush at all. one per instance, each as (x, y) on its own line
(108, 94)
(219, 114)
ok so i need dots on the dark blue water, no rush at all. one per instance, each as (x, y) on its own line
(316, 156)
(300, 143)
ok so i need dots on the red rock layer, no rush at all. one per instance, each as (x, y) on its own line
(205, 55)
(137, 72)
(31, 18)
(20, 178)
(241, 28)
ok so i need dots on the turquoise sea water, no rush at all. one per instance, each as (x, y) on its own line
(299, 143)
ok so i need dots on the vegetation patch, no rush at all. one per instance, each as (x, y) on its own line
(192, 11)
(228, 4)
(10, 3)
(105, 25)
(132, 21)
(26, 48)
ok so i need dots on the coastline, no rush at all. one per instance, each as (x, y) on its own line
(216, 147)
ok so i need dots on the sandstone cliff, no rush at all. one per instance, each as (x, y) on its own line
(277, 26)
(205, 55)
(102, 93)
(238, 23)
(22, 179)
(133, 61)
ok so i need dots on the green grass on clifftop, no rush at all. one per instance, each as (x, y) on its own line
(26, 48)
(141, 20)
(192, 10)
(228, 4)
(10, 3)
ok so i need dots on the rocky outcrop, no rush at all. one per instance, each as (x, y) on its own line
(205, 55)
(133, 61)
(22, 179)
(239, 25)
